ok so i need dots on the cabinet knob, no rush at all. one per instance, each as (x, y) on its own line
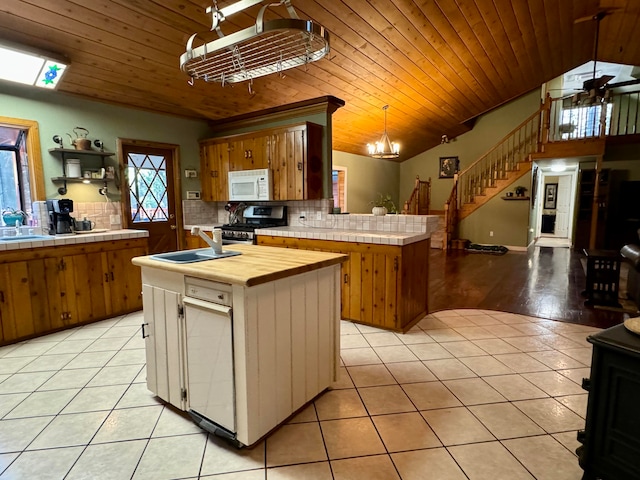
(586, 384)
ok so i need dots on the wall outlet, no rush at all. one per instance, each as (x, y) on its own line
(318, 215)
(303, 214)
(491, 233)
(193, 195)
(114, 219)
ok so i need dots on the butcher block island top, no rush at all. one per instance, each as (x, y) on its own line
(256, 264)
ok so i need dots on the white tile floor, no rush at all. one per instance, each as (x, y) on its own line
(467, 394)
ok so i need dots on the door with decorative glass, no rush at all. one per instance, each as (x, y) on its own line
(149, 198)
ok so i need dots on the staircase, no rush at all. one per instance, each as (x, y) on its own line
(542, 135)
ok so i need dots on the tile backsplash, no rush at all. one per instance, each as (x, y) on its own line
(102, 213)
(316, 215)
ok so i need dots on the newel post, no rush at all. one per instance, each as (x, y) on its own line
(546, 119)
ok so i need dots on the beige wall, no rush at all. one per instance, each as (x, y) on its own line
(366, 177)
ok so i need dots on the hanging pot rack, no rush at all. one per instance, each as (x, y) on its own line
(266, 47)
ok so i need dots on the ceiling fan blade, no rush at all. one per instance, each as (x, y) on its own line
(599, 15)
(596, 83)
(624, 84)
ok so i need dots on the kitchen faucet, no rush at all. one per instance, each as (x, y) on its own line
(215, 243)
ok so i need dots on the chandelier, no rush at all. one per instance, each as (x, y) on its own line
(384, 148)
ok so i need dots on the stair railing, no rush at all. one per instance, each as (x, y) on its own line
(515, 147)
(419, 202)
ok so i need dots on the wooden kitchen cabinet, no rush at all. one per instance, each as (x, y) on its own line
(297, 162)
(292, 153)
(50, 288)
(214, 166)
(383, 286)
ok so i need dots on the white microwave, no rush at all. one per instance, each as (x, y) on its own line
(254, 185)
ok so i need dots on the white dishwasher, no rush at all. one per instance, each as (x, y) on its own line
(209, 352)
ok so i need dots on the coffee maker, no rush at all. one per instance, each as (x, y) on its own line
(60, 222)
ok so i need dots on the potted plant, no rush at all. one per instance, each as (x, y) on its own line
(383, 205)
(520, 191)
(10, 216)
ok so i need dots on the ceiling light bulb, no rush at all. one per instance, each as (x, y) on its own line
(558, 168)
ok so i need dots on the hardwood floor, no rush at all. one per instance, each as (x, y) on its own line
(543, 282)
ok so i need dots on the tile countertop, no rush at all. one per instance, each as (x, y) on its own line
(360, 236)
(57, 240)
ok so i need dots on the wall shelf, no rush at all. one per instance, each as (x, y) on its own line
(516, 198)
(65, 154)
(81, 180)
(81, 152)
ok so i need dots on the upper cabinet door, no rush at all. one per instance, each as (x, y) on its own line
(214, 167)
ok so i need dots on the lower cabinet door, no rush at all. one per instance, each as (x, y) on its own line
(210, 379)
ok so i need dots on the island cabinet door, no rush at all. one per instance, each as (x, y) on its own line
(162, 331)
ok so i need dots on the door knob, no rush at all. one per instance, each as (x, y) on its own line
(173, 227)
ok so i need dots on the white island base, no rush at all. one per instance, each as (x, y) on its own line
(261, 353)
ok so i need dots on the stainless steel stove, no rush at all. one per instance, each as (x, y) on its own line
(255, 217)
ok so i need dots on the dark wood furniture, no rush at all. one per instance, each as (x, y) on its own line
(586, 190)
(611, 439)
(548, 224)
(603, 277)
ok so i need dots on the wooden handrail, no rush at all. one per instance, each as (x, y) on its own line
(506, 137)
(419, 202)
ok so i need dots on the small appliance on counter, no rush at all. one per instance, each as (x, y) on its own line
(60, 220)
(255, 216)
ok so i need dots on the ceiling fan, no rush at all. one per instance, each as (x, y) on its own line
(597, 89)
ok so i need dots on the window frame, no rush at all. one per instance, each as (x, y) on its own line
(34, 154)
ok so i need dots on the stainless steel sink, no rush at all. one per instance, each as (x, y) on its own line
(191, 256)
(26, 238)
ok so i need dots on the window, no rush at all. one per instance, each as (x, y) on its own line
(585, 121)
(15, 190)
(339, 181)
(21, 172)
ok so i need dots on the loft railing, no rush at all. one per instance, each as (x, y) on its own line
(419, 202)
(617, 116)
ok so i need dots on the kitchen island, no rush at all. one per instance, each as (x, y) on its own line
(243, 342)
(385, 281)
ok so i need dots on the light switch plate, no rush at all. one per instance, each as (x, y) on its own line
(191, 173)
(193, 195)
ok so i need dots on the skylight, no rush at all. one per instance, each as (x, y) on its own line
(30, 68)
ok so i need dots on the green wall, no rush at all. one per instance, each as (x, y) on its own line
(366, 177)
(507, 219)
(488, 130)
(58, 113)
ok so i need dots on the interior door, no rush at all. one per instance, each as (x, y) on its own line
(149, 197)
(563, 206)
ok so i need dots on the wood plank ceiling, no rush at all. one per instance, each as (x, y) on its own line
(437, 63)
